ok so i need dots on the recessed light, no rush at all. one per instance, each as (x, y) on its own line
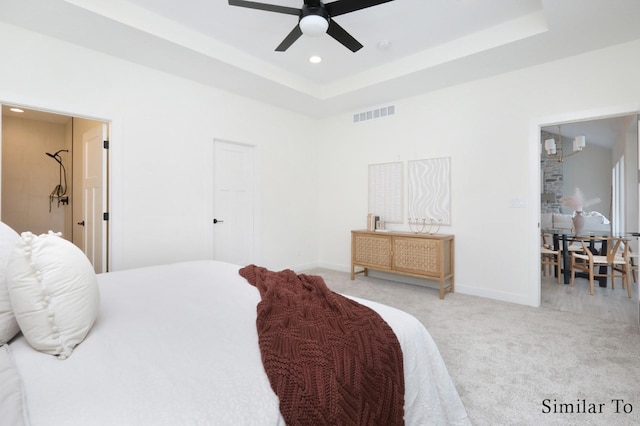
(315, 59)
(16, 110)
(384, 44)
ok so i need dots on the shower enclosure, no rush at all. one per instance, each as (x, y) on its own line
(59, 193)
(32, 184)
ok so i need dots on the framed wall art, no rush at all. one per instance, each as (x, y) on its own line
(385, 191)
(430, 191)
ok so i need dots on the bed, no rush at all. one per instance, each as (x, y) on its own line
(177, 344)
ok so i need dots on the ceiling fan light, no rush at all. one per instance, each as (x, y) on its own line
(313, 25)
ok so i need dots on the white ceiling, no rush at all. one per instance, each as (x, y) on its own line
(36, 115)
(431, 43)
(602, 132)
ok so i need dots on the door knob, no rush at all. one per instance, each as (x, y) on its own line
(81, 223)
(217, 221)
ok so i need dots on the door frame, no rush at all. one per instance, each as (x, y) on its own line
(534, 296)
(106, 238)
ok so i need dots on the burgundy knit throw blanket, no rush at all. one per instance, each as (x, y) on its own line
(329, 359)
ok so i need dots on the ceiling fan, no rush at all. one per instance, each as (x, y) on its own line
(315, 18)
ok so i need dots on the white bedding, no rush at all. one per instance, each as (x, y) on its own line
(177, 344)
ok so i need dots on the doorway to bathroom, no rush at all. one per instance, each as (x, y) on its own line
(54, 177)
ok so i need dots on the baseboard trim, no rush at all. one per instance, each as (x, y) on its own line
(460, 288)
(495, 295)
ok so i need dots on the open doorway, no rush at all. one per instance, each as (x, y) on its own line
(54, 177)
(605, 172)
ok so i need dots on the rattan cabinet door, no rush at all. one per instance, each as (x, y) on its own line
(372, 250)
(417, 256)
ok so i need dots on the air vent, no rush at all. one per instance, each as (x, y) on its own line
(374, 114)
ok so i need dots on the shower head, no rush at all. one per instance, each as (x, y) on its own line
(57, 152)
(56, 156)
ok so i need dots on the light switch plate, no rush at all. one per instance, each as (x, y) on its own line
(517, 203)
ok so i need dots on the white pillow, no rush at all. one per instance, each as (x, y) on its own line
(8, 325)
(54, 292)
(12, 404)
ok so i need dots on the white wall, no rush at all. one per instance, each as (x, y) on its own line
(162, 151)
(591, 172)
(490, 129)
(314, 189)
(629, 143)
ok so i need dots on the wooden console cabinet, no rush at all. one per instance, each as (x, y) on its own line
(416, 255)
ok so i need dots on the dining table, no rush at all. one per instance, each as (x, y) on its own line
(563, 237)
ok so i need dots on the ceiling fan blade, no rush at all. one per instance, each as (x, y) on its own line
(339, 33)
(295, 34)
(341, 7)
(264, 6)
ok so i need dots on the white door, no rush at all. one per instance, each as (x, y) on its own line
(94, 169)
(233, 229)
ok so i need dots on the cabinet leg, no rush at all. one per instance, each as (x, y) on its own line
(364, 272)
(443, 289)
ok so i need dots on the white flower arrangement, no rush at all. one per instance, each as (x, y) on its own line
(576, 201)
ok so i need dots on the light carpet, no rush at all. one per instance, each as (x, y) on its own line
(507, 359)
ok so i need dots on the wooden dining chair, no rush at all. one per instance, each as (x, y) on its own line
(615, 260)
(633, 264)
(550, 258)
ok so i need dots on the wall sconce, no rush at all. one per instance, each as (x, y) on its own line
(556, 149)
